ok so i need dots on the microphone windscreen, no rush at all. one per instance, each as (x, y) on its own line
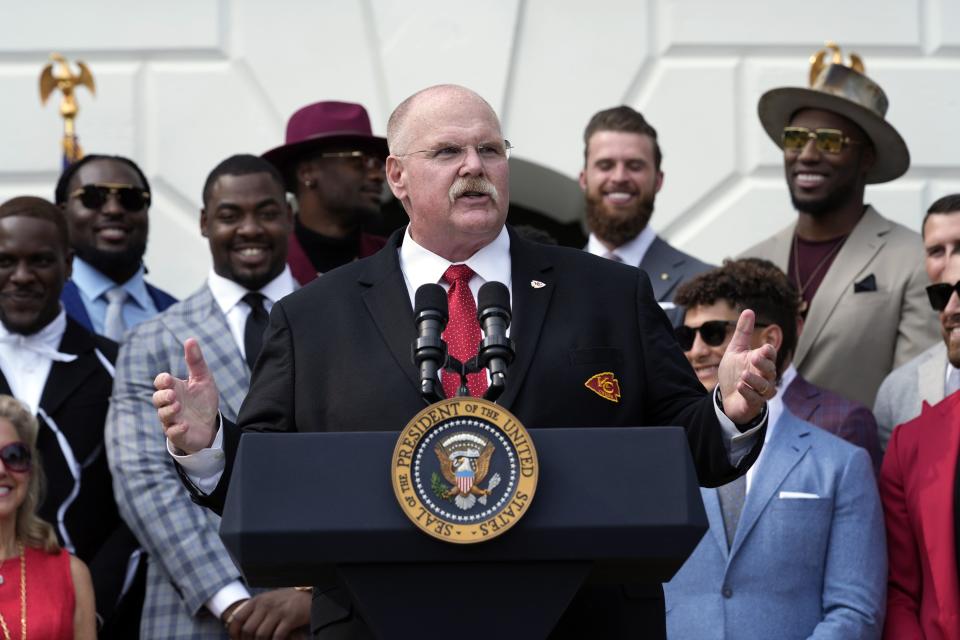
(430, 296)
(493, 294)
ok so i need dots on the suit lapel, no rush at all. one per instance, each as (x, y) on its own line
(65, 377)
(931, 377)
(781, 454)
(662, 269)
(711, 503)
(384, 292)
(802, 398)
(864, 242)
(938, 448)
(200, 317)
(530, 303)
(4, 385)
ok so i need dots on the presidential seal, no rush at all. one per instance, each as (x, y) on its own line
(464, 470)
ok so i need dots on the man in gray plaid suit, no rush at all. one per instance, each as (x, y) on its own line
(194, 590)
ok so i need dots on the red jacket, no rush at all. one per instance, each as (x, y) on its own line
(301, 267)
(916, 487)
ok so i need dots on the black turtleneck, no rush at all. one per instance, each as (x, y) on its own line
(326, 253)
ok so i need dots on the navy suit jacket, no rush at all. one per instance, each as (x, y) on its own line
(349, 369)
(73, 303)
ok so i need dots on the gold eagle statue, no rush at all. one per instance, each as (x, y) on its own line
(830, 54)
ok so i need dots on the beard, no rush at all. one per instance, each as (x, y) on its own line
(619, 228)
(827, 204)
(107, 262)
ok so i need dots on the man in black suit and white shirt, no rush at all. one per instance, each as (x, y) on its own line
(575, 315)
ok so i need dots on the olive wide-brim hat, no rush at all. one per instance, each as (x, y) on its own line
(854, 96)
(322, 125)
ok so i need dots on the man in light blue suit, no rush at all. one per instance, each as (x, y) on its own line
(796, 547)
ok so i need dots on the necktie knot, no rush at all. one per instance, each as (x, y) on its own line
(458, 273)
(116, 294)
(255, 302)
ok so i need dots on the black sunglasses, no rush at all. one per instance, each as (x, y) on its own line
(94, 196)
(16, 457)
(939, 294)
(713, 332)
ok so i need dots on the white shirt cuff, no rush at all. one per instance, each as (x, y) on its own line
(738, 444)
(204, 467)
(221, 600)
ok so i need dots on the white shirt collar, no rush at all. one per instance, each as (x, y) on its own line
(951, 381)
(228, 293)
(631, 253)
(49, 336)
(421, 266)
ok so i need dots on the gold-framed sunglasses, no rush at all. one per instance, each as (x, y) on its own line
(826, 140)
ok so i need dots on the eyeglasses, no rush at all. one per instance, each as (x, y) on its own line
(454, 154)
(16, 457)
(366, 160)
(712, 332)
(827, 140)
(94, 196)
(939, 294)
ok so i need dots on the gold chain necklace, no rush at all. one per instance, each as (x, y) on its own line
(23, 599)
(802, 286)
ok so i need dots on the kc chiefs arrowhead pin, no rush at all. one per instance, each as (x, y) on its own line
(604, 385)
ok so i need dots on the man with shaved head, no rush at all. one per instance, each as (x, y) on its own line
(575, 315)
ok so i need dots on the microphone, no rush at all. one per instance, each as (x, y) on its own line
(429, 351)
(496, 350)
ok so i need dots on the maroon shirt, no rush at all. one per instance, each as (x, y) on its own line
(814, 260)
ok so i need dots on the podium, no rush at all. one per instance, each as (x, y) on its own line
(613, 506)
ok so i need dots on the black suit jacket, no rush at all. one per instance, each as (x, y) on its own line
(336, 357)
(75, 398)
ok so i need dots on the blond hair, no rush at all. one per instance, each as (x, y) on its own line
(33, 531)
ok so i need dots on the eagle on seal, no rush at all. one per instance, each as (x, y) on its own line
(465, 467)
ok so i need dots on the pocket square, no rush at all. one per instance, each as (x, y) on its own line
(867, 284)
(666, 306)
(798, 495)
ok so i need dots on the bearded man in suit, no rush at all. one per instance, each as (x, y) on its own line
(621, 178)
(575, 315)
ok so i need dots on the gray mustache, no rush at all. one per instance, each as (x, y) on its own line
(475, 184)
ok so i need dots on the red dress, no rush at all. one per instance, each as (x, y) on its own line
(50, 595)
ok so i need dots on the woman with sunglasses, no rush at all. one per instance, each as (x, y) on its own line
(45, 593)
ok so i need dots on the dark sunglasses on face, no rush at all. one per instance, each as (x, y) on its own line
(712, 332)
(94, 196)
(16, 457)
(827, 140)
(939, 294)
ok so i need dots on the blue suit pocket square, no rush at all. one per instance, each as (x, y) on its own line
(867, 284)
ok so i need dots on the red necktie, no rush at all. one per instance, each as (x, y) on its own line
(462, 334)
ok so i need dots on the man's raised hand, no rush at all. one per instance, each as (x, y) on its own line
(188, 408)
(747, 377)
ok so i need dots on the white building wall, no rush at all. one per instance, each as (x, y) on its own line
(181, 84)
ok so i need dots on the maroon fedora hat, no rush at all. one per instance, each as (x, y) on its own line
(324, 124)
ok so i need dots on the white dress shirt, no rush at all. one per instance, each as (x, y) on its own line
(774, 411)
(26, 360)
(229, 298)
(630, 253)
(951, 383)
